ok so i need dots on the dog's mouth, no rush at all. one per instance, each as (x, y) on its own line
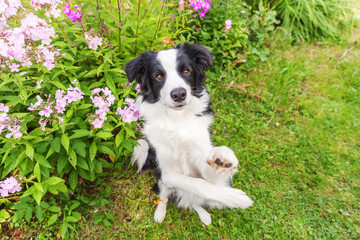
(179, 106)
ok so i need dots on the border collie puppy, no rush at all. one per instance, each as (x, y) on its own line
(175, 107)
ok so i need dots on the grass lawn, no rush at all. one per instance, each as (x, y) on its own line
(294, 124)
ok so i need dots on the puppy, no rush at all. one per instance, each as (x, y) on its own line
(175, 107)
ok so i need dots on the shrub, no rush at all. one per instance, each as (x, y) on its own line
(312, 20)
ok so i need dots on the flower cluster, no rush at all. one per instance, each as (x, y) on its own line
(203, 5)
(130, 113)
(227, 25)
(92, 40)
(9, 185)
(7, 10)
(50, 7)
(74, 15)
(62, 100)
(103, 102)
(24, 45)
(9, 123)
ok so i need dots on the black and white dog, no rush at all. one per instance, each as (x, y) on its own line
(175, 107)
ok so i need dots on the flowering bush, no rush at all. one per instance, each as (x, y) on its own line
(66, 108)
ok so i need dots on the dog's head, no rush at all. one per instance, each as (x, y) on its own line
(172, 76)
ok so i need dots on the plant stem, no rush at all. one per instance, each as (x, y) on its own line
(119, 24)
(158, 23)
(137, 25)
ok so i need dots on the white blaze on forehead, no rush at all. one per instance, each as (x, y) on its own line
(167, 59)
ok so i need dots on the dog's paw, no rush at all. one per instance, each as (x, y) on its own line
(160, 212)
(203, 215)
(235, 198)
(223, 159)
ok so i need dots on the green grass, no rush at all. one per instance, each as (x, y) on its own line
(296, 133)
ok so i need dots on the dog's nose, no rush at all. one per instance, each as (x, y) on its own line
(178, 94)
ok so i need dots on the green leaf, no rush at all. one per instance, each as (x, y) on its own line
(28, 192)
(80, 133)
(82, 163)
(65, 142)
(104, 149)
(72, 157)
(28, 214)
(41, 159)
(38, 213)
(61, 162)
(75, 205)
(52, 219)
(37, 171)
(54, 209)
(4, 215)
(55, 144)
(38, 195)
(39, 187)
(63, 229)
(92, 151)
(29, 151)
(80, 148)
(118, 139)
(106, 223)
(58, 84)
(73, 179)
(84, 106)
(104, 135)
(54, 180)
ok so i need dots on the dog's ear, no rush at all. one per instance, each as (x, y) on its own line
(202, 57)
(134, 69)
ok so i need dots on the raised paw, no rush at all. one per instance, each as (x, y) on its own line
(223, 159)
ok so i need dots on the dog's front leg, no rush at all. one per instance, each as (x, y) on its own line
(231, 197)
(160, 211)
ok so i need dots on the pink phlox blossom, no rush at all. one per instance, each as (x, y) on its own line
(97, 123)
(228, 24)
(92, 40)
(130, 113)
(138, 87)
(50, 7)
(72, 14)
(203, 5)
(74, 94)
(181, 5)
(103, 102)
(9, 185)
(9, 8)
(46, 112)
(4, 108)
(14, 132)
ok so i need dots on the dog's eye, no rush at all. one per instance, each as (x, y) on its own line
(186, 72)
(159, 77)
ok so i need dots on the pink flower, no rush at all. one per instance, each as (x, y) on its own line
(131, 113)
(97, 123)
(228, 24)
(181, 5)
(14, 67)
(138, 87)
(46, 112)
(93, 41)
(9, 185)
